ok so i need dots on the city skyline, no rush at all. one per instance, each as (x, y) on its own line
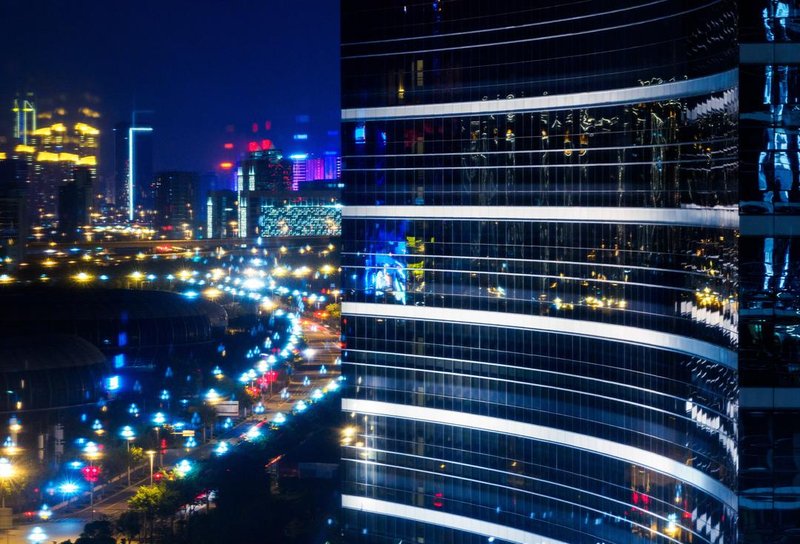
(201, 68)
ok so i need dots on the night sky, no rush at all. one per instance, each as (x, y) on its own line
(200, 66)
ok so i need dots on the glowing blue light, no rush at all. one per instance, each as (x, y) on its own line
(360, 134)
(75, 465)
(183, 467)
(253, 433)
(298, 156)
(103, 277)
(300, 137)
(190, 294)
(300, 406)
(119, 360)
(131, 164)
(317, 394)
(222, 448)
(68, 488)
(159, 418)
(113, 383)
(133, 410)
(279, 419)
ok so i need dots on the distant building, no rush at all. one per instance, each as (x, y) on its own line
(264, 170)
(175, 203)
(52, 142)
(133, 168)
(306, 168)
(13, 210)
(75, 202)
(222, 217)
(303, 213)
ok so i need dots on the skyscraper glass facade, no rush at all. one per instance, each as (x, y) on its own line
(539, 261)
(769, 478)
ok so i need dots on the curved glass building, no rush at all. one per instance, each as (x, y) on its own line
(539, 266)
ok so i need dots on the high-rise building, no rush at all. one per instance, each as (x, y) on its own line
(540, 273)
(13, 210)
(75, 202)
(222, 217)
(769, 326)
(54, 140)
(133, 169)
(264, 170)
(176, 203)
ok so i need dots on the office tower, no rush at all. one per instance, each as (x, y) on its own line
(769, 329)
(264, 170)
(133, 169)
(175, 203)
(54, 140)
(24, 117)
(75, 202)
(539, 264)
(13, 210)
(222, 214)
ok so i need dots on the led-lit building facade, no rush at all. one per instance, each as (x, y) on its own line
(540, 316)
(133, 169)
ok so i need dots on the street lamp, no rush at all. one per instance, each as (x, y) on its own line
(37, 535)
(159, 419)
(6, 473)
(92, 452)
(128, 434)
(151, 454)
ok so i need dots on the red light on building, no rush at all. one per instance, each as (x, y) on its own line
(228, 145)
(158, 476)
(266, 144)
(226, 165)
(437, 500)
(253, 146)
(255, 127)
(268, 125)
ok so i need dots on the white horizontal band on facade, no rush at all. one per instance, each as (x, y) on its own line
(722, 217)
(629, 95)
(444, 519)
(556, 325)
(600, 446)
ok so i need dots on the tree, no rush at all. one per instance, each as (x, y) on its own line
(129, 524)
(146, 501)
(97, 532)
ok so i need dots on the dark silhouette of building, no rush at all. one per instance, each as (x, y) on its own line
(14, 226)
(176, 205)
(75, 203)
